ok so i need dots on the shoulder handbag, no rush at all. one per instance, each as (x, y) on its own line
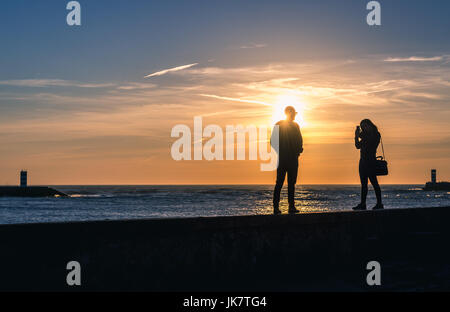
(381, 165)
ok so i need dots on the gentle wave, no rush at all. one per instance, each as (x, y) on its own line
(131, 202)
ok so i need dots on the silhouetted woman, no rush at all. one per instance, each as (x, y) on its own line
(367, 139)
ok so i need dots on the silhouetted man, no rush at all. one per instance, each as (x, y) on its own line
(290, 147)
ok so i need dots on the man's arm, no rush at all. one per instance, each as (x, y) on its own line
(300, 143)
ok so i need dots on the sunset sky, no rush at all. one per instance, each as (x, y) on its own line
(95, 104)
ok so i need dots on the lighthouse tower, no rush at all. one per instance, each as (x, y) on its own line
(433, 176)
(23, 178)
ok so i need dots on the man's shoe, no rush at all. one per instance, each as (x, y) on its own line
(293, 210)
(378, 207)
(276, 208)
(360, 207)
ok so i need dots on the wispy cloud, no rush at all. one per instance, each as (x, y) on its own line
(169, 70)
(136, 86)
(253, 46)
(414, 59)
(40, 83)
(235, 99)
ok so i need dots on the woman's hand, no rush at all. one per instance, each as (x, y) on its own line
(357, 132)
(357, 136)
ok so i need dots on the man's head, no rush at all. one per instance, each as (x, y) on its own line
(290, 113)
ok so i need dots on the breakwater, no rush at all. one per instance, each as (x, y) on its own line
(29, 191)
(312, 251)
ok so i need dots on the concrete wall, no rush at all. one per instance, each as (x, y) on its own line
(316, 251)
(29, 191)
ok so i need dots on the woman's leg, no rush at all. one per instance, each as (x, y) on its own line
(363, 177)
(376, 187)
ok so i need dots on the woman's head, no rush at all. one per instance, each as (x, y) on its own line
(368, 126)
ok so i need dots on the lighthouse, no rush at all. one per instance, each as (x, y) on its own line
(433, 176)
(23, 178)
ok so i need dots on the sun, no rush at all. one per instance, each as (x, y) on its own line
(284, 100)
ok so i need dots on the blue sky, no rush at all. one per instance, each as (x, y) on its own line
(74, 99)
(123, 40)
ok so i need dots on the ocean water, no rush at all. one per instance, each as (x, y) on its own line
(134, 202)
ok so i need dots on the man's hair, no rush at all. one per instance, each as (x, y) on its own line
(289, 110)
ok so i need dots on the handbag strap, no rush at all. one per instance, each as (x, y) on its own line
(382, 147)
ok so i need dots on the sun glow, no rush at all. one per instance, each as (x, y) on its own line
(285, 100)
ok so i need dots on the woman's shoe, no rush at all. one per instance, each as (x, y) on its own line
(378, 207)
(360, 207)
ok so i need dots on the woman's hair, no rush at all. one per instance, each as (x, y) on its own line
(371, 125)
